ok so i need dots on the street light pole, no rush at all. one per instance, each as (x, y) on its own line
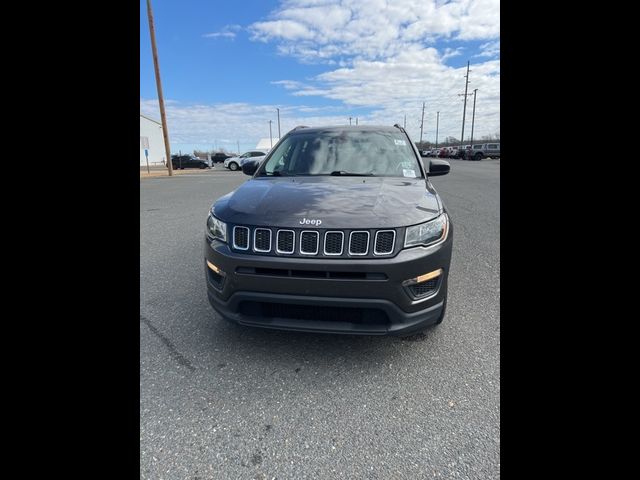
(163, 116)
(270, 136)
(437, 124)
(278, 122)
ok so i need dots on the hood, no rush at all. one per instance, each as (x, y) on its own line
(338, 202)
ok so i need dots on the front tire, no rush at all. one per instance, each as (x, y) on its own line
(233, 166)
(477, 156)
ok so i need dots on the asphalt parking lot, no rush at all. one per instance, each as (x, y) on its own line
(220, 401)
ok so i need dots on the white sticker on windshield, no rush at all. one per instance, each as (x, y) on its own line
(409, 173)
(400, 142)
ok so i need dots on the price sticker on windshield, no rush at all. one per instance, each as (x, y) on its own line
(409, 173)
(399, 142)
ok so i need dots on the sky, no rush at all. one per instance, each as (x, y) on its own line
(227, 66)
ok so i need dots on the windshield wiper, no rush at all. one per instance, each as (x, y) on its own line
(342, 173)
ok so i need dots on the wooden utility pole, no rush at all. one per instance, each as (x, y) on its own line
(163, 116)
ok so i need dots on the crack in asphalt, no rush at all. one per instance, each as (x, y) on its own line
(181, 359)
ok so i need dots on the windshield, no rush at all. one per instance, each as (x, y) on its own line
(360, 152)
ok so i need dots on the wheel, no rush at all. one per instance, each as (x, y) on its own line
(233, 166)
(202, 167)
(477, 156)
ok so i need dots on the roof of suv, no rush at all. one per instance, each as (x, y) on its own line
(361, 128)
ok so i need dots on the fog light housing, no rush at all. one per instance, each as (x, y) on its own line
(216, 275)
(423, 286)
(423, 278)
(215, 269)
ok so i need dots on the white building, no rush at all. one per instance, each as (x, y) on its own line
(151, 136)
(265, 143)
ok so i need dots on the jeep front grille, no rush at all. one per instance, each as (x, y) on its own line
(318, 243)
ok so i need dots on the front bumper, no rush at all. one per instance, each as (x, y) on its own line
(393, 311)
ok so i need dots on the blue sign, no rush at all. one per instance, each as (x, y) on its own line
(146, 153)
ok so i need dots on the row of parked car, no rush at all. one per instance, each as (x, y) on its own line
(477, 151)
(229, 161)
(467, 152)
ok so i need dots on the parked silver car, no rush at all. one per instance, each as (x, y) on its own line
(235, 163)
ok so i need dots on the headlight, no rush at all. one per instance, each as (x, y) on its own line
(427, 233)
(216, 228)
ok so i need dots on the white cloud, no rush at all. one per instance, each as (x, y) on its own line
(229, 31)
(489, 49)
(288, 84)
(312, 30)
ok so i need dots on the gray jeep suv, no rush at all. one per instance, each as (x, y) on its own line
(339, 230)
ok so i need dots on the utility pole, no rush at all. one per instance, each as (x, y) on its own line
(270, 137)
(163, 117)
(422, 122)
(238, 141)
(464, 110)
(473, 117)
(278, 122)
(405, 121)
(437, 125)
(356, 120)
(349, 120)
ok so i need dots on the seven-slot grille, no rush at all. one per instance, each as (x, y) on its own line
(336, 243)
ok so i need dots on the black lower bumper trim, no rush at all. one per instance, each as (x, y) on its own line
(397, 322)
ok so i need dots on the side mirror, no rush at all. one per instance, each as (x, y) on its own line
(250, 166)
(438, 167)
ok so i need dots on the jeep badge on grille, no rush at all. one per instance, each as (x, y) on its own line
(306, 221)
